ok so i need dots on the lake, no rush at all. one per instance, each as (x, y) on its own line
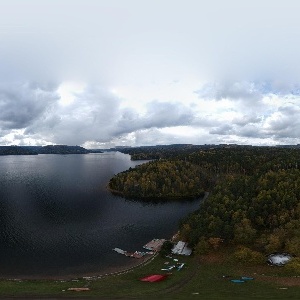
(57, 218)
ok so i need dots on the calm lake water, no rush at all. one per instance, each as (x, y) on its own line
(57, 218)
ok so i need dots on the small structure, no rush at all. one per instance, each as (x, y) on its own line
(279, 259)
(181, 248)
(154, 245)
(81, 289)
(154, 278)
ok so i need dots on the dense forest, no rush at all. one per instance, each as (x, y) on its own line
(161, 151)
(162, 179)
(254, 193)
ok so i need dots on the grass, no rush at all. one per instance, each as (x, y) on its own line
(197, 280)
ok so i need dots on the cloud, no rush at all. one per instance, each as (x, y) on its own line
(247, 119)
(284, 123)
(162, 136)
(157, 115)
(96, 115)
(91, 116)
(22, 103)
(34, 113)
(279, 124)
(222, 130)
(251, 131)
(246, 91)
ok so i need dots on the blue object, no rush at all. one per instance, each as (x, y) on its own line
(247, 278)
(237, 281)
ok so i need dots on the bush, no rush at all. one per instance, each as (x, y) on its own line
(202, 247)
(215, 242)
(166, 248)
(248, 256)
(293, 246)
(293, 266)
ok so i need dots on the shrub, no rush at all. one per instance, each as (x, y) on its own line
(248, 256)
(202, 247)
(293, 266)
(166, 248)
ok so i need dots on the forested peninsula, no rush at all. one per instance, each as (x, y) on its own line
(254, 201)
(161, 179)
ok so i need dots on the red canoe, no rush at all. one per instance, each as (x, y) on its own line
(154, 278)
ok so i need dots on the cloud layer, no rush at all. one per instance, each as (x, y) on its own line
(238, 113)
(150, 72)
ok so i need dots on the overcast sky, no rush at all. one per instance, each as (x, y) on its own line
(141, 72)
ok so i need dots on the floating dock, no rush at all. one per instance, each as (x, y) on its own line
(154, 245)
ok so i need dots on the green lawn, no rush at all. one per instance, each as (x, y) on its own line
(195, 281)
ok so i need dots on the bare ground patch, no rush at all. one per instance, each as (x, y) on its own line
(269, 274)
(284, 281)
(211, 258)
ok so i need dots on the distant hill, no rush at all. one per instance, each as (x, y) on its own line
(49, 149)
(62, 149)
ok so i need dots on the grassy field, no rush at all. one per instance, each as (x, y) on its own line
(208, 278)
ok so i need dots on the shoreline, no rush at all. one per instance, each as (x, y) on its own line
(165, 198)
(111, 271)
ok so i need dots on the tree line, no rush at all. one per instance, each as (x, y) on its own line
(254, 193)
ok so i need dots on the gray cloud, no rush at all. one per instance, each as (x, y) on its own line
(247, 131)
(91, 116)
(247, 119)
(282, 125)
(158, 115)
(250, 131)
(94, 115)
(285, 123)
(22, 103)
(222, 130)
(246, 91)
